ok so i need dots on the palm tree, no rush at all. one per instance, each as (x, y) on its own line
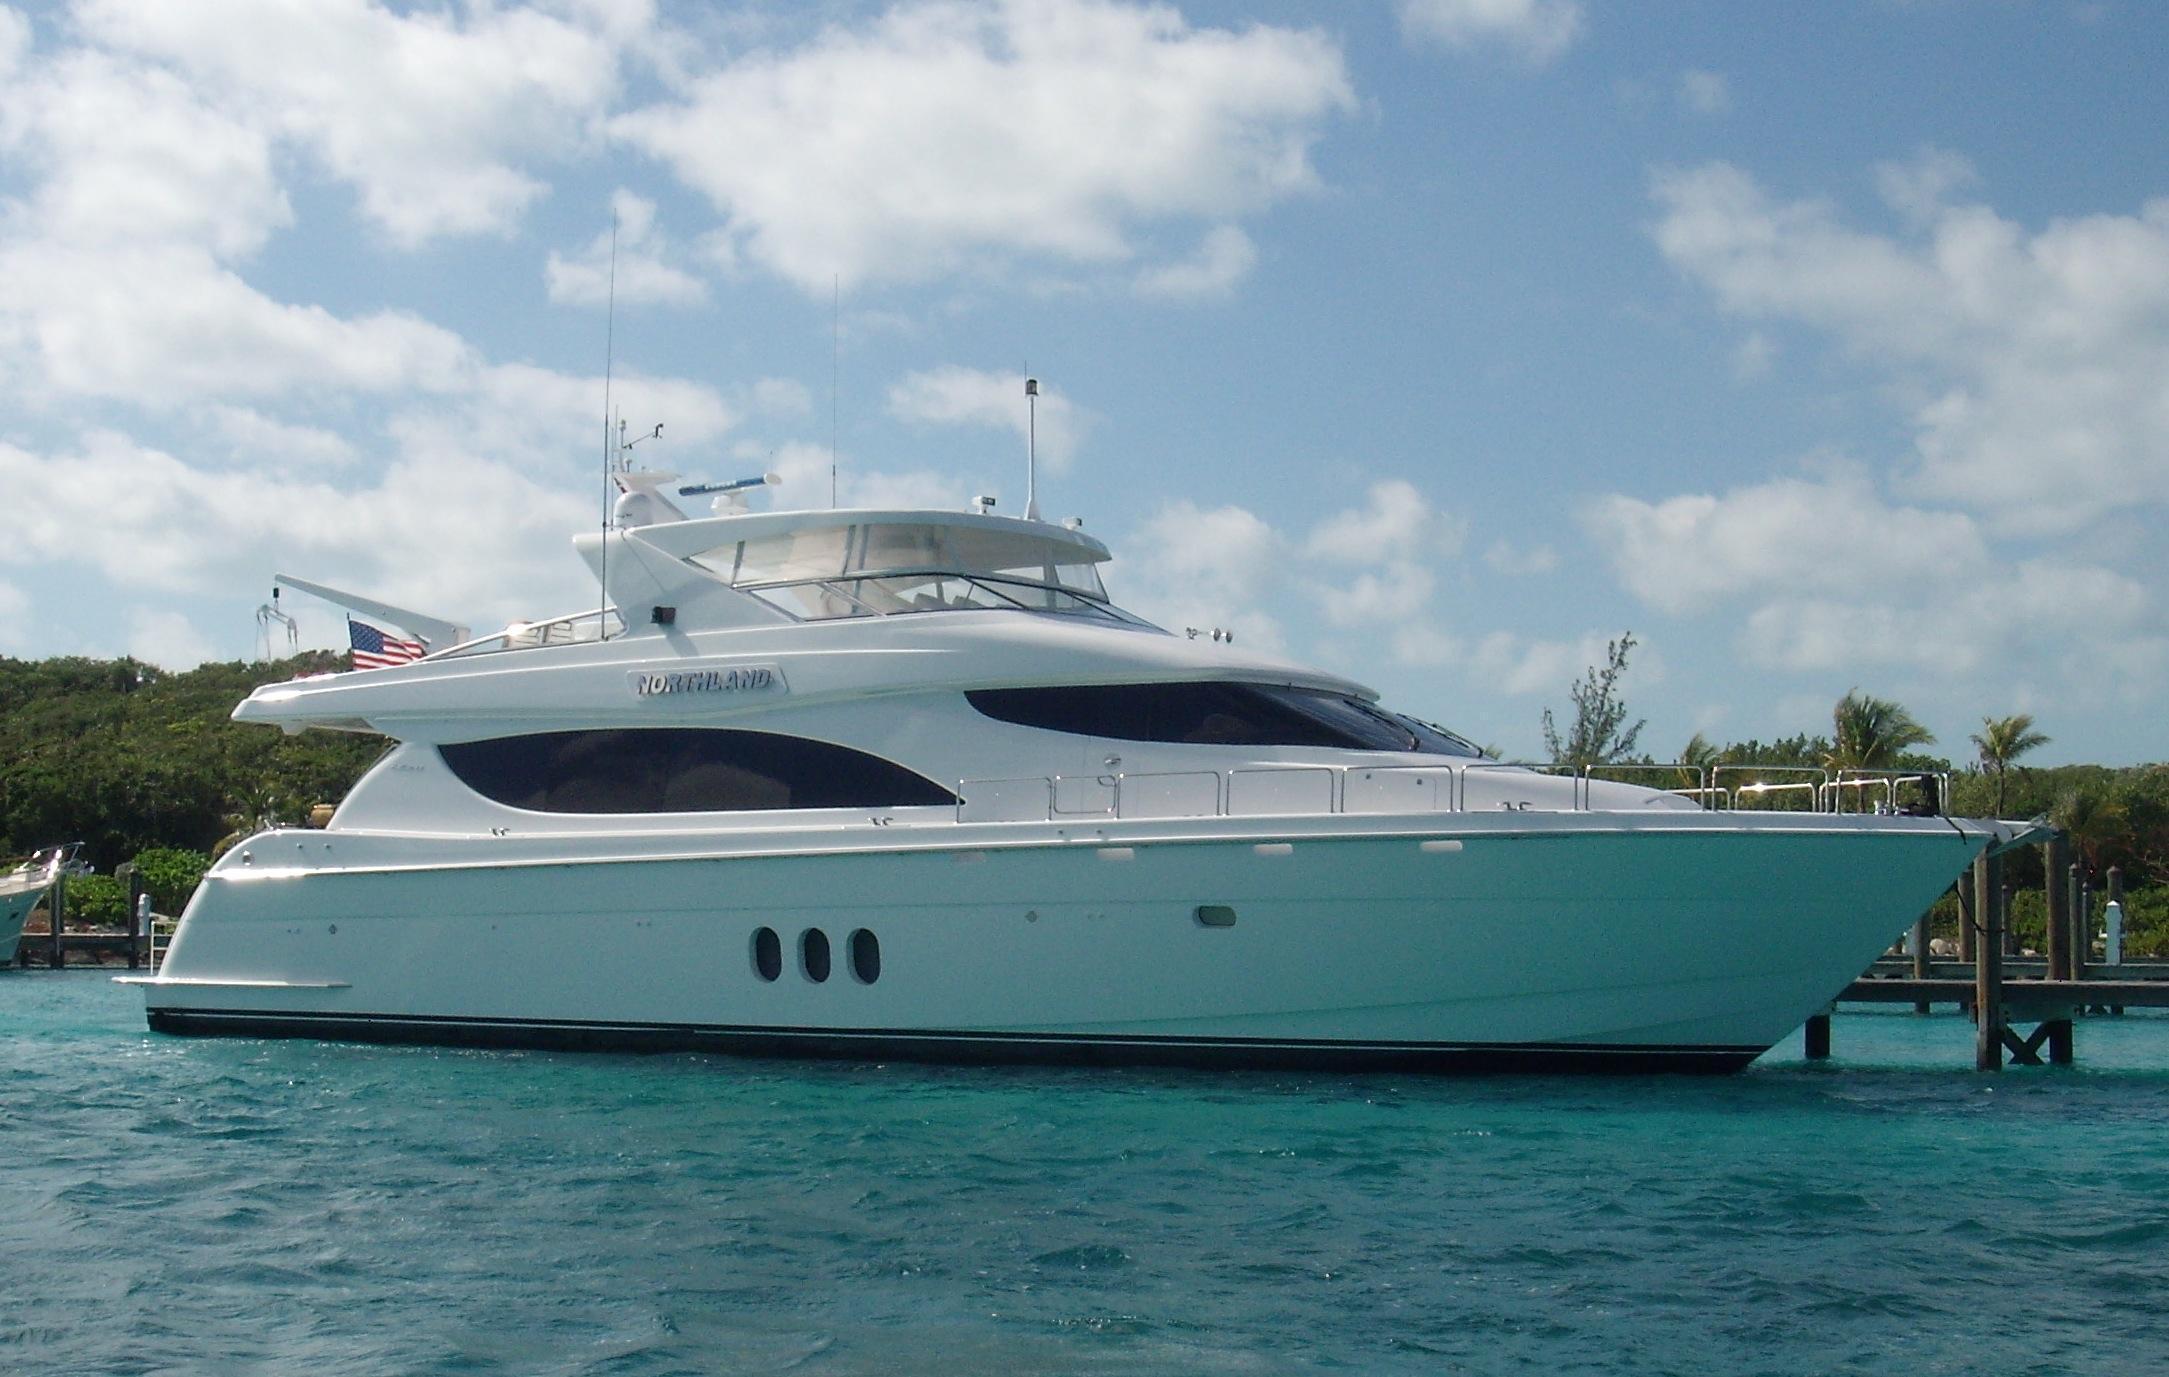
(1871, 733)
(2002, 740)
(1695, 761)
(2092, 817)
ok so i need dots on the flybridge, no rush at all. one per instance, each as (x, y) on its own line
(822, 565)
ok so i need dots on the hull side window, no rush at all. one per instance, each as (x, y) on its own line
(682, 770)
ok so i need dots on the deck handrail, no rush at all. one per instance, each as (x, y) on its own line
(1437, 787)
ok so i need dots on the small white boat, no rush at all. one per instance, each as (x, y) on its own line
(22, 888)
(909, 784)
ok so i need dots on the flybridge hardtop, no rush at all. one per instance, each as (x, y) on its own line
(738, 608)
(897, 783)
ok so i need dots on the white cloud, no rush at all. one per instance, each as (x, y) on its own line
(114, 270)
(942, 136)
(805, 471)
(955, 395)
(1539, 30)
(2033, 358)
(1828, 534)
(1207, 568)
(781, 397)
(1754, 355)
(1705, 93)
(14, 41)
(629, 262)
(260, 439)
(14, 603)
(156, 325)
(426, 114)
(1507, 558)
(439, 530)
(1375, 566)
(1523, 665)
(1396, 523)
(167, 639)
(2057, 620)
(1223, 259)
(512, 412)
(126, 154)
(1420, 643)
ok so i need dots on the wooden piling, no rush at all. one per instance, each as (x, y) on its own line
(1967, 907)
(2056, 857)
(1988, 965)
(1920, 956)
(2082, 924)
(1818, 1036)
(56, 917)
(2060, 1041)
(132, 882)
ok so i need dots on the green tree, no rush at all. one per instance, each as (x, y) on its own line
(170, 875)
(1596, 737)
(2093, 818)
(1696, 759)
(2002, 740)
(1869, 733)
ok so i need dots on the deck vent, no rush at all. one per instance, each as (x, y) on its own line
(1215, 916)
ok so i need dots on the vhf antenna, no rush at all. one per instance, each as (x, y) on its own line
(1031, 449)
(610, 326)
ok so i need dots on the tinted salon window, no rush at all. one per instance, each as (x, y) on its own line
(1212, 714)
(682, 770)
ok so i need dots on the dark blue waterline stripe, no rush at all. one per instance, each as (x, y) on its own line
(960, 1045)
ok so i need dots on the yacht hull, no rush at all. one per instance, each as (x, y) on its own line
(1570, 941)
(14, 912)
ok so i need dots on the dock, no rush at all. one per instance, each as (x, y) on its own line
(136, 945)
(2050, 992)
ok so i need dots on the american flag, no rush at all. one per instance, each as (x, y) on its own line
(374, 649)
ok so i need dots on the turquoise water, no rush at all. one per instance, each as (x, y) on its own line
(208, 1206)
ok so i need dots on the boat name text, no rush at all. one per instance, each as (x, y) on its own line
(744, 679)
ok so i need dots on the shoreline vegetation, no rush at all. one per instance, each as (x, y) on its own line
(2116, 817)
(143, 764)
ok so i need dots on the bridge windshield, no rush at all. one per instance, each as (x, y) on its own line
(874, 569)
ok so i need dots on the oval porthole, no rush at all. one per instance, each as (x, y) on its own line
(865, 956)
(767, 953)
(813, 954)
(1215, 916)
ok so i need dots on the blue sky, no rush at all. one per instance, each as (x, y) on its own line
(1822, 346)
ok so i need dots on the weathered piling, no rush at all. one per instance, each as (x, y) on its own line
(1988, 967)
(2058, 894)
(1966, 909)
(56, 914)
(1817, 1034)
(2082, 920)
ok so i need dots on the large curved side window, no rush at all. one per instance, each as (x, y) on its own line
(681, 770)
(1226, 714)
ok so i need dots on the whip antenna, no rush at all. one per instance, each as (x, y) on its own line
(835, 370)
(610, 328)
(1031, 449)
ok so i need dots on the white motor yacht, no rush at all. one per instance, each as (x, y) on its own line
(23, 887)
(908, 784)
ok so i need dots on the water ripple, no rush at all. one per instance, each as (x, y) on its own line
(183, 1207)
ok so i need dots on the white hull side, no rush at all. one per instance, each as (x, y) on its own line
(1573, 941)
(15, 910)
